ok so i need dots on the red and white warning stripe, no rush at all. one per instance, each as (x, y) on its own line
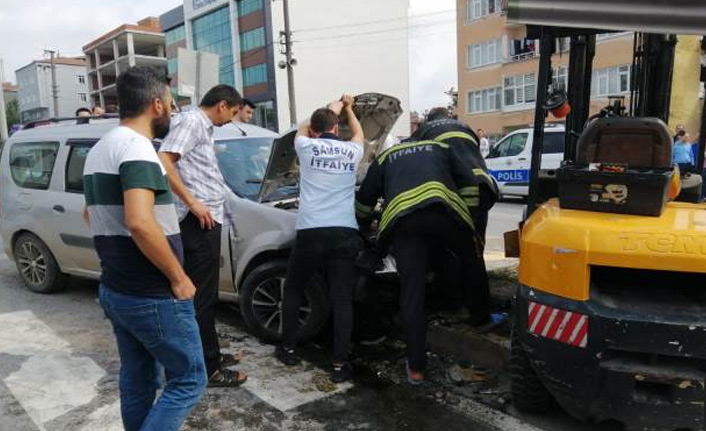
(556, 324)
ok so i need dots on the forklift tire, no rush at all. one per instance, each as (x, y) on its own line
(528, 392)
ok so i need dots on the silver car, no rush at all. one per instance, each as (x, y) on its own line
(41, 199)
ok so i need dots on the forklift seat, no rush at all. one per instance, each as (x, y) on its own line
(637, 142)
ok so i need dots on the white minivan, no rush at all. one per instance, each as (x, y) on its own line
(509, 160)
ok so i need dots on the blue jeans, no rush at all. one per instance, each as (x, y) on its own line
(149, 332)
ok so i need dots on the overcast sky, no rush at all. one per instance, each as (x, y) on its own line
(28, 27)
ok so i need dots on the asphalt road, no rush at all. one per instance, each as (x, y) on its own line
(503, 217)
(59, 372)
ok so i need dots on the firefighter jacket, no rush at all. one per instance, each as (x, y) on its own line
(464, 144)
(416, 175)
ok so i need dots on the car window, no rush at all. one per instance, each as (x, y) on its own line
(553, 143)
(31, 164)
(74, 167)
(243, 163)
(517, 144)
(500, 149)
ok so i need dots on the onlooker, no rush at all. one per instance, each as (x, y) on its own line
(189, 156)
(247, 109)
(144, 290)
(678, 129)
(327, 231)
(682, 154)
(83, 112)
(484, 143)
(97, 110)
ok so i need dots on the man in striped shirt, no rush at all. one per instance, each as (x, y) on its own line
(144, 291)
(189, 155)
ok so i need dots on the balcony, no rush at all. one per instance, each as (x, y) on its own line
(523, 56)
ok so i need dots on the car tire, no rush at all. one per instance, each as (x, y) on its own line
(261, 300)
(528, 392)
(37, 265)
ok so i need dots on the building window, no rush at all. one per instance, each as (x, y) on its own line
(252, 39)
(82, 97)
(483, 54)
(248, 6)
(522, 49)
(81, 79)
(212, 33)
(560, 78)
(172, 66)
(175, 35)
(255, 75)
(264, 115)
(476, 9)
(610, 81)
(487, 100)
(519, 89)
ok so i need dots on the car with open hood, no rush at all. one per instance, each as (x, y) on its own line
(41, 199)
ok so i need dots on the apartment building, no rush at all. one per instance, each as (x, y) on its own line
(36, 96)
(497, 69)
(119, 49)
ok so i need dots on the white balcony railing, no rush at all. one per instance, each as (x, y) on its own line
(523, 57)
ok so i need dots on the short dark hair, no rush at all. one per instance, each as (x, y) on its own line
(221, 93)
(82, 109)
(681, 133)
(138, 87)
(438, 114)
(323, 120)
(248, 102)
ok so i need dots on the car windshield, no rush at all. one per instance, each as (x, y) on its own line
(243, 163)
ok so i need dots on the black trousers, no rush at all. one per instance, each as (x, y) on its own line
(414, 240)
(332, 250)
(202, 254)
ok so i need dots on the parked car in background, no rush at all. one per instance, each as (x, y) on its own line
(509, 159)
(41, 200)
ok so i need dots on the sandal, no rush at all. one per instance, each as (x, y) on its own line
(225, 378)
(230, 359)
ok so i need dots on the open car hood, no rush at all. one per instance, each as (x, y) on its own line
(377, 114)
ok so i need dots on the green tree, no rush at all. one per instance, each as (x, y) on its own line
(12, 112)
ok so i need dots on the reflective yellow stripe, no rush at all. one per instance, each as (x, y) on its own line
(482, 173)
(363, 210)
(415, 196)
(450, 135)
(384, 155)
(469, 191)
(471, 202)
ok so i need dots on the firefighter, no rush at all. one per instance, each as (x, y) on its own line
(464, 143)
(428, 195)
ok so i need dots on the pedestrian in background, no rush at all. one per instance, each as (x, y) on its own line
(682, 153)
(143, 289)
(484, 144)
(189, 156)
(327, 231)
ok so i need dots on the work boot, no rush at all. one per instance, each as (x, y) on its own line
(287, 356)
(341, 372)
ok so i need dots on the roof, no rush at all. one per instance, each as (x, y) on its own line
(654, 16)
(147, 25)
(67, 61)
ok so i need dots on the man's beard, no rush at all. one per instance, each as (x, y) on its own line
(160, 126)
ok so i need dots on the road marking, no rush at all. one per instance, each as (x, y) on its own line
(284, 388)
(106, 418)
(23, 334)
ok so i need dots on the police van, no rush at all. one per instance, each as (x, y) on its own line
(509, 160)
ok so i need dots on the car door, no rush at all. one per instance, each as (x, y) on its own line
(509, 164)
(553, 149)
(74, 234)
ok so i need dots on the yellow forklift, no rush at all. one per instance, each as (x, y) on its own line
(610, 316)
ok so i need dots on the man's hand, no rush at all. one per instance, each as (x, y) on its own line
(183, 289)
(347, 101)
(336, 107)
(202, 213)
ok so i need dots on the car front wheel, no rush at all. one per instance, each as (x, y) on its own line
(262, 297)
(37, 266)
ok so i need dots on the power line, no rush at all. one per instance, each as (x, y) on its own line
(388, 30)
(407, 18)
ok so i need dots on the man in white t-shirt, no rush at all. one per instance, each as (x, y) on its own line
(484, 143)
(327, 230)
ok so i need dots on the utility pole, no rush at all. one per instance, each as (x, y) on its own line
(54, 86)
(291, 62)
(3, 117)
